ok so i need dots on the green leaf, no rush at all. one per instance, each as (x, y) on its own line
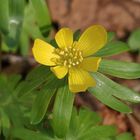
(26, 134)
(33, 80)
(85, 124)
(5, 93)
(24, 43)
(13, 81)
(76, 35)
(16, 13)
(85, 117)
(42, 101)
(6, 48)
(42, 16)
(4, 16)
(121, 69)
(112, 48)
(134, 40)
(110, 36)
(81, 123)
(29, 19)
(73, 131)
(98, 132)
(15, 114)
(5, 123)
(125, 136)
(62, 111)
(110, 93)
(116, 89)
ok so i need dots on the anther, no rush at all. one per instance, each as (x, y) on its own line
(68, 56)
(77, 62)
(66, 49)
(74, 49)
(71, 54)
(61, 52)
(73, 64)
(65, 62)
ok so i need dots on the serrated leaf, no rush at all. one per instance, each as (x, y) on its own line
(85, 124)
(110, 93)
(85, 117)
(81, 123)
(112, 48)
(134, 40)
(121, 69)
(62, 111)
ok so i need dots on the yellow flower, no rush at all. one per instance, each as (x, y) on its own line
(73, 57)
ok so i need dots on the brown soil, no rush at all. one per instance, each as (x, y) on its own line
(121, 16)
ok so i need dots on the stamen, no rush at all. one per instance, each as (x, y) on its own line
(62, 52)
(69, 56)
(65, 62)
(77, 62)
(73, 64)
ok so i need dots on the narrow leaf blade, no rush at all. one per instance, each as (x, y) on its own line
(4, 16)
(41, 103)
(134, 40)
(16, 13)
(118, 90)
(62, 111)
(112, 48)
(42, 16)
(106, 91)
(121, 69)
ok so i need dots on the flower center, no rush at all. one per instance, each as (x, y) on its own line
(69, 56)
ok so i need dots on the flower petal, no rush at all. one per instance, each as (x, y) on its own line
(64, 37)
(43, 52)
(93, 39)
(80, 80)
(60, 71)
(90, 64)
